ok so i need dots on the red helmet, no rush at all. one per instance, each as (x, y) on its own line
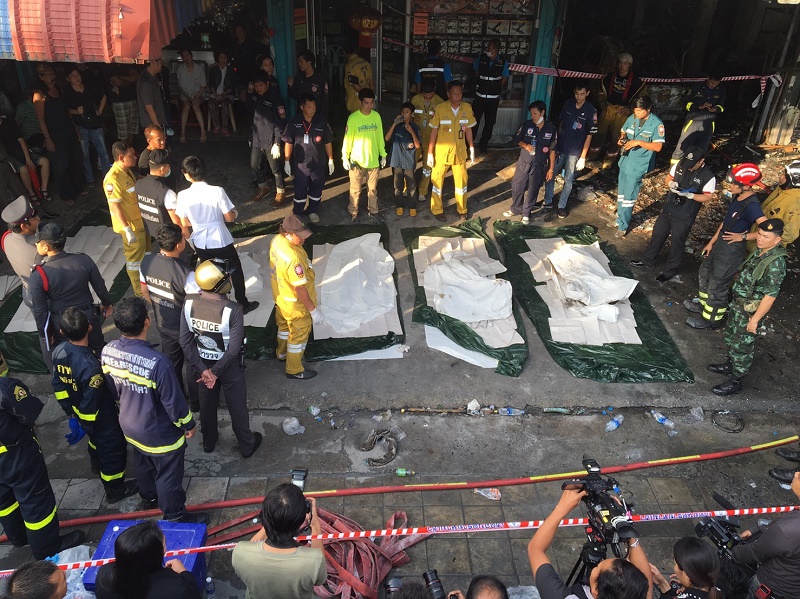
(746, 173)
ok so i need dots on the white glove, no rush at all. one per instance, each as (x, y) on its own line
(346, 164)
(383, 162)
(472, 155)
(316, 316)
(673, 185)
(330, 166)
(429, 162)
(130, 236)
(276, 151)
(686, 194)
(581, 164)
(287, 168)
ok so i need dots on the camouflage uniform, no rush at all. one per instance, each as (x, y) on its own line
(747, 293)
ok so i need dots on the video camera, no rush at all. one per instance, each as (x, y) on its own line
(432, 582)
(609, 515)
(722, 532)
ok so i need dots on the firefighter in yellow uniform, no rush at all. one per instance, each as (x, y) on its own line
(451, 133)
(424, 103)
(126, 218)
(357, 75)
(295, 295)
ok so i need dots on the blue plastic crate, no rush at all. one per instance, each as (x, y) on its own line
(179, 535)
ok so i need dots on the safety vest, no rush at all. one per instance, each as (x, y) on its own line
(687, 180)
(211, 325)
(490, 77)
(433, 68)
(165, 278)
(150, 194)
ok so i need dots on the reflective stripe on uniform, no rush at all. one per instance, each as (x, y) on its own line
(110, 477)
(295, 348)
(436, 189)
(92, 445)
(62, 395)
(3, 449)
(488, 97)
(86, 417)
(161, 292)
(43, 522)
(460, 190)
(299, 200)
(128, 376)
(432, 70)
(9, 509)
(283, 334)
(185, 420)
(160, 449)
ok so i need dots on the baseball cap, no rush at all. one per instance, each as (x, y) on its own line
(292, 224)
(50, 232)
(159, 157)
(692, 156)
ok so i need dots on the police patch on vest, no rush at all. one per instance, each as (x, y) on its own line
(318, 139)
(20, 393)
(110, 188)
(207, 342)
(96, 381)
(314, 89)
(530, 131)
(298, 270)
(661, 130)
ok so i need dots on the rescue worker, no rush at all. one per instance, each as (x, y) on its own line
(357, 76)
(153, 414)
(165, 281)
(157, 202)
(537, 141)
(435, 69)
(754, 293)
(61, 281)
(706, 101)
(641, 137)
(212, 338)
(206, 208)
(619, 88)
(27, 504)
(691, 184)
(295, 295)
(492, 72)
(269, 121)
(451, 133)
(577, 125)
(126, 218)
(727, 249)
(363, 153)
(308, 140)
(308, 80)
(783, 203)
(19, 241)
(424, 103)
(83, 394)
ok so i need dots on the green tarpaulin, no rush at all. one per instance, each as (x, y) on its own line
(511, 358)
(656, 360)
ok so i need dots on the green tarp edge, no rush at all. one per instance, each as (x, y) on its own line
(511, 358)
(656, 360)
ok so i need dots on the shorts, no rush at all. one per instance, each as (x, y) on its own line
(127, 117)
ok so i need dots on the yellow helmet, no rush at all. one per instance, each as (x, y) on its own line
(213, 276)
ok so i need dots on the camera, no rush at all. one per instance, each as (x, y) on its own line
(609, 514)
(299, 476)
(432, 582)
(722, 532)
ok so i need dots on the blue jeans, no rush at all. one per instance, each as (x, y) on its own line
(97, 138)
(563, 161)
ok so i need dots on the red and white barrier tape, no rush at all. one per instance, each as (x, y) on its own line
(454, 529)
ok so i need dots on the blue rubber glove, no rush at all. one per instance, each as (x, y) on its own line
(76, 432)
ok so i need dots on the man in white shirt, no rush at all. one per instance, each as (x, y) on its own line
(206, 208)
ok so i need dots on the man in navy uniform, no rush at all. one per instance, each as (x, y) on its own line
(434, 69)
(157, 200)
(309, 80)
(492, 71)
(706, 101)
(269, 121)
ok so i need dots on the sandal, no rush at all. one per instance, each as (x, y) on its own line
(46, 195)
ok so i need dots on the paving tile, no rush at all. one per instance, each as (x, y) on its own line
(449, 555)
(491, 554)
(418, 563)
(452, 583)
(672, 490)
(519, 495)
(492, 514)
(206, 489)
(519, 553)
(59, 486)
(82, 494)
(373, 499)
(414, 515)
(444, 515)
(404, 498)
(366, 516)
(242, 487)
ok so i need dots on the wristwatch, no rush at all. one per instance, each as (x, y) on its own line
(744, 236)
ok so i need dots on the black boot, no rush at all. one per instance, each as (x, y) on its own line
(784, 475)
(725, 368)
(702, 323)
(692, 306)
(126, 489)
(729, 387)
(72, 539)
(793, 455)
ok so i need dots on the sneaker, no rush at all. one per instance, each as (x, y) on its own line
(378, 217)
(440, 217)
(637, 264)
(313, 217)
(128, 488)
(261, 194)
(509, 214)
(258, 437)
(249, 307)
(302, 376)
(620, 234)
(664, 278)
(562, 213)
(71, 539)
(279, 196)
(537, 206)
(412, 211)
(525, 220)
(149, 504)
(398, 211)
(612, 224)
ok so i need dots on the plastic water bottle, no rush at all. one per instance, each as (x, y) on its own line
(510, 412)
(662, 419)
(533, 147)
(404, 472)
(614, 423)
(210, 588)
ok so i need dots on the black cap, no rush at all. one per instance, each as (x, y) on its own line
(692, 156)
(53, 232)
(772, 225)
(159, 158)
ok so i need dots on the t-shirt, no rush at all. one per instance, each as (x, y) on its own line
(574, 125)
(89, 99)
(148, 93)
(739, 218)
(404, 154)
(269, 575)
(190, 82)
(363, 139)
(205, 206)
(550, 585)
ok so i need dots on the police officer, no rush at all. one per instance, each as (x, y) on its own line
(157, 201)
(754, 292)
(83, 394)
(641, 137)
(537, 141)
(126, 218)
(492, 71)
(451, 133)
(783, 203)
(620, 88)
(309, 140)
(19, 242)
(726, 250)
(27, 503)
(691, 184)
(308, 80)
(269, 121)
(153, 413)
(212, 337)
(61, 281)
(165, 281)
(435, 69)
(424, 103)
(295, 295)
(706, 101)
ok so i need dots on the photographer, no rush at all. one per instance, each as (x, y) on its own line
(777, 551)
(482, 587)
(612, 578)
(696, 570)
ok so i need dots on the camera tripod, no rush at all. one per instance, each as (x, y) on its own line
(592, 553)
